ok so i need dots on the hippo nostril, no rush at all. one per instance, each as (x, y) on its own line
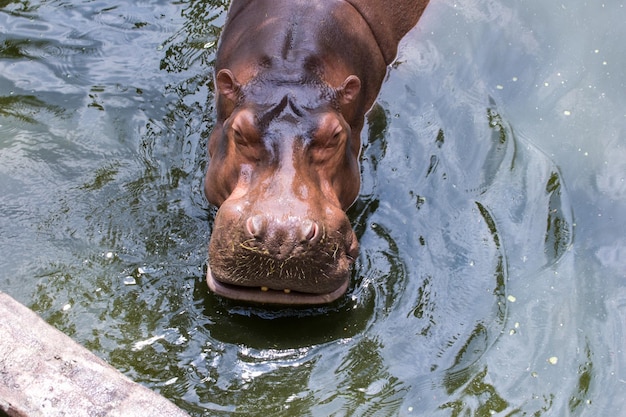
(310, 230)
(255, 226)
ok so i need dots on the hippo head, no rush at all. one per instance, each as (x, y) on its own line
(283, 169)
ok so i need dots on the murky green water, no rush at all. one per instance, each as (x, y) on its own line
(491, 275)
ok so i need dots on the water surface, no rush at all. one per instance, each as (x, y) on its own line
(491, 274)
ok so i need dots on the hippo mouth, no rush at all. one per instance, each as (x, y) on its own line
(265, 295)
(280, 260)
(319, 274)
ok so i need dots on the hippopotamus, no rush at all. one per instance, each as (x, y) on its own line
(293, 82)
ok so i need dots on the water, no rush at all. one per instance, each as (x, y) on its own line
(491, 274)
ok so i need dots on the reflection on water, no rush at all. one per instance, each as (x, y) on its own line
(465, 299)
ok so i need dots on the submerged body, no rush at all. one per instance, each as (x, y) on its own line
(294, 79)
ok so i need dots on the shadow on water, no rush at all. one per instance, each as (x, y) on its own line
(282, 328)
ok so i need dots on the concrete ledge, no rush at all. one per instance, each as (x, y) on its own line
(45, 373)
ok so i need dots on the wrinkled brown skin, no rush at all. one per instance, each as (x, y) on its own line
(294, 79)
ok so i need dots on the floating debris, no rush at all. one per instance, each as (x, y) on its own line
(130, 280)
(170, 381)
(143, 343)
(374, 388)
(146, 270)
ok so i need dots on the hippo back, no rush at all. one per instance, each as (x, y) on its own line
(390, 21)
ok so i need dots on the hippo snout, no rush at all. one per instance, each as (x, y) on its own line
(280, 259)
(282, 238)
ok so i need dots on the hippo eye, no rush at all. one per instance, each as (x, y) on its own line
(239, 139)
(242, 128)
(337, 134)
(247, 144)
(334, 138)
(329, 138)
(244, 139)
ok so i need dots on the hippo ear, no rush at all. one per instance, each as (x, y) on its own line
(349, 89)
(227, 85)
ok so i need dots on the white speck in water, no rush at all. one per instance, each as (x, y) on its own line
(552, 360)
(170, 381)
(374, 388)
(511, 298)
(567, 112)
(130, 280)
(514, 79)
(109, 255)
(67, 307)
(208, 45)
(499, 87)
(143, 343)
(546, 84)
(145, 270)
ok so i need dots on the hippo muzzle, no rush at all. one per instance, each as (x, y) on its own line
(262, 252)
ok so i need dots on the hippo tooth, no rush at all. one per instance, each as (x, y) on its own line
(286, 290)
(264, 289)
